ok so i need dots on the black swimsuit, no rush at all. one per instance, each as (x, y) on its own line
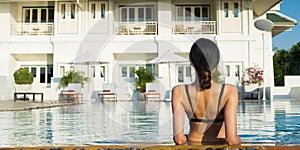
(219, 119)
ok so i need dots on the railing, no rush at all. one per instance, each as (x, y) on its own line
(136, 28)
(194, 27)
(31, 29)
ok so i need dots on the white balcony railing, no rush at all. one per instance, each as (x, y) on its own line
(136, 28)
(194, 27)
(31, 29)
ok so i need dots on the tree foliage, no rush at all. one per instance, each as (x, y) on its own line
(73, 77)
(143, 76)
(286, 62)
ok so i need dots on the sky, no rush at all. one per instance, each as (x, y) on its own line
(287, 39)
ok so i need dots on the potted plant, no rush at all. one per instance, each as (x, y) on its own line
(23, 80)
(252, 78)
(73, 77)
(143, 76)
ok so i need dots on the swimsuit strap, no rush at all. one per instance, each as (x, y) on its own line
(220, 96)
(189, 98)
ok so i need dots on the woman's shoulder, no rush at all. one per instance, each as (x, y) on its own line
(178, 88)
(230, 87)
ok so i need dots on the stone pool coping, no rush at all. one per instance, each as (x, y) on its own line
(156, 147)
(11, 105)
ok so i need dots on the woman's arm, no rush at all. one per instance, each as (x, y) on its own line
(230, 110)
(178, 116)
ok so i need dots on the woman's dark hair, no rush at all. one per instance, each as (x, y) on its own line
(204, 56)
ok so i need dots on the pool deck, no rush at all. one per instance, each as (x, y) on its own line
(11, 105)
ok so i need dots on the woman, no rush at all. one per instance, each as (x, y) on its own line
(210, 105)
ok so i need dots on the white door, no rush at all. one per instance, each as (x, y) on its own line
(233, 72)
(126, 82)
(183, 73)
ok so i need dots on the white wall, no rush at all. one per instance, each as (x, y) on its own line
(291, 90)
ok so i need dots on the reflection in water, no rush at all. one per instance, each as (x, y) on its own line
(269, 121)
(98, 122)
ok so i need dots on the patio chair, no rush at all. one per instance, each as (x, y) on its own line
(152, 91)
(73, 93)
(108, 92)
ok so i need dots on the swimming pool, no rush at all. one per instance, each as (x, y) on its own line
(97, 123)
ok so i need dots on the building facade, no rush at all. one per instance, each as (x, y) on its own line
(107, 39)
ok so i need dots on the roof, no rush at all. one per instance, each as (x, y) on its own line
(281, 22)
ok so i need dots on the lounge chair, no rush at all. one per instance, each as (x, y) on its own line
(73, 92)
(108, 92)
(152, 91)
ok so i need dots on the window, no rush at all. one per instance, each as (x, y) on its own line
(226, 10)
(51, 15)
(124, 14)
(179, 14)
(192, 13)
(103, 11)
(92, 72)
(141, 14)
(131, 74)
(71, 68)
(180, 74)
(27, 16)
(73, 7)
(102, 72)
(188, 71)
(42, 75)
(136, 14)
(197, 14)
(149, 14)
(237, 71)
(205, 14)
(124, 72)
(33, 71)
(227, 70)
(43, 15)
(93, 11)
(236, 10)
(188, 14)
(131, 14)
(97, 9)
(34, 15)
(38, 15)
(62, 71)
(49, 73)
(63, 11)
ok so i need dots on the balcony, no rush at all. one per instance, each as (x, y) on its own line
(136, 28)
(31, 29)
(194, 27)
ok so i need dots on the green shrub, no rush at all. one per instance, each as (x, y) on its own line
(73, 77)
(23, 76)
(143, 76)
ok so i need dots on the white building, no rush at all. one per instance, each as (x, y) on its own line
(46, 35)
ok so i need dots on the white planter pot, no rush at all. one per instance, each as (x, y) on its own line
(250, 87)
(23, 87)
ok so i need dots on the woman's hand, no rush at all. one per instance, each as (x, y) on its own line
(179, 140)
(235, 141)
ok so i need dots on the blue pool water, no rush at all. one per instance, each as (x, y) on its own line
(95, 123)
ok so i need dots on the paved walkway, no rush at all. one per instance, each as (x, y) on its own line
(11, 105)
